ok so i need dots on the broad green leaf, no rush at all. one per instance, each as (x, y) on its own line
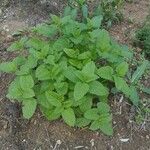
(69, 73)
(75, 63)
(102, 39)
(96, 21)
(80, 90)
(20, 60)
(42, 73)
(61, 87)
(29, 107)
(46, 85)
(15, 46)
(55, 71)
(86, 103)
(50, 60)
(121, 85)
(26, 82)
(103, 107)
(95, 125)
(67, 103)
(69, 116)
(106, 128)
(29, 64)
(82, 122)
(28, 93)
(85, 11)
(106, 72)
(45, 50)
(122, 69)
(8, 67)
(46, 30)
(42, 100)
(84, 55)
(89, 68)
(97, 88)
(91, 114)
(67, 11)
(14, 90)
(54, 98)
(70, 52)
(50, 113)
(134, 97)
(139, 72)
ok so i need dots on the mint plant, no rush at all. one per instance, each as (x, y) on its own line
(67, 72)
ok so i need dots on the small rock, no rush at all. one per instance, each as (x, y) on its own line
(124, 140)
(147, 136)
(0, 12)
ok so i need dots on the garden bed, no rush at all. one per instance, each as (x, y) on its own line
(16, 133)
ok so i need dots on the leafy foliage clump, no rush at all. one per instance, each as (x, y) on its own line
(68, 72)
(143, 39)
(110, 10)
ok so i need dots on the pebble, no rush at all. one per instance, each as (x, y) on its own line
(147, 136)
(0, 12)
(124, 140)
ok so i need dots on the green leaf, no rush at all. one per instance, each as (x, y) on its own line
(91, 114)
(98, 89)
(139, 72)
(134, 97)
(95, 125)
(85, 11)
(106, 128)
(80, 90)
(70, 52)
(54, 98)
(67, 11)
(103, 108)
(61, 87)
(15, 46)
(102, 40)
(69, 116)
(29, 107)
(69, 73)
(86, 103)
(50, 60)
(121, 85)
(42, 73)
(35, 43)
(84, 55)
(20, 60)
(106, 72)
(42, 100)
(51, 113)
(75, 63)
(82, 122)
(89, 68)
(96, 21)
(28, 93)
(26, 82)
(122, 69)
(8, 67)
(46, 30)
(14, 90)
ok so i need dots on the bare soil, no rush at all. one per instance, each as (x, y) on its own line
(16, 133)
